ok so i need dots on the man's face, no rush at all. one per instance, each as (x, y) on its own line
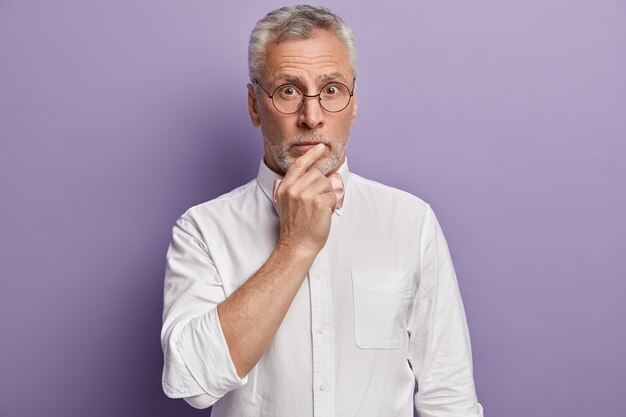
(309, 65)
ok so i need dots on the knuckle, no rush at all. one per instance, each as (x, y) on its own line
(318, 203)
(291, 193)
(298, 163)
(318, 174)
(324, 184)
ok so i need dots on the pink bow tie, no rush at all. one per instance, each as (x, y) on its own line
(335, 181)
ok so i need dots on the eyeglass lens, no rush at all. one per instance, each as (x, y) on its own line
(333, 97)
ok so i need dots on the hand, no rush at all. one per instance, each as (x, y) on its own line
(305, 204)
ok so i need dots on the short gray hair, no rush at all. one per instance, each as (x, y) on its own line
(296, 22)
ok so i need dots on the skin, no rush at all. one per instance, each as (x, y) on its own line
(252, 314)
(314, 63)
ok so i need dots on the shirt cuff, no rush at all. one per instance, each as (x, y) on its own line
(438, 412)
(200, 346)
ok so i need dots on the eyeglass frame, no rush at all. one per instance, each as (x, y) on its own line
(305, 96)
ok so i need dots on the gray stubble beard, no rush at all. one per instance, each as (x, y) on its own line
(281, 152)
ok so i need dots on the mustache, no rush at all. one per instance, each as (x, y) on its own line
(308, 137)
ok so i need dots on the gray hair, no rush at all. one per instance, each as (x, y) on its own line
(296, 22)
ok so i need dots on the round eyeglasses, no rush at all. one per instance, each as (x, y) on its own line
(289, 99)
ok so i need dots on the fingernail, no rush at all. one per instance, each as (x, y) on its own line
(319, 146)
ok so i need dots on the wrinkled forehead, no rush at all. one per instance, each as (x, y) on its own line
(319, 58)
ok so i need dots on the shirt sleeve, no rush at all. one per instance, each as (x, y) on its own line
(196, 356)
(439, 342)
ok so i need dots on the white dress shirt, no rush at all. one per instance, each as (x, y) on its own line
(379, 310)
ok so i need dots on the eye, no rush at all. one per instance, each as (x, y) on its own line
(288, 91)
(331, 90)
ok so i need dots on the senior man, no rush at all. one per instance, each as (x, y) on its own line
(312, 291)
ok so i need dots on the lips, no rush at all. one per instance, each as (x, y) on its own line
(305, 146)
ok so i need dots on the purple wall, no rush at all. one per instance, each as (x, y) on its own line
(507, 117)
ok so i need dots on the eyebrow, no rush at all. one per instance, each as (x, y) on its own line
(322, 78)
(332, 76)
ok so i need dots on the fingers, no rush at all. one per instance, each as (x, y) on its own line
(312, 180)
(311, 188)
(305, 202)
(327, 200)
(301, 164)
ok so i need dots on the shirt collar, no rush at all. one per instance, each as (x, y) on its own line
(266, 178)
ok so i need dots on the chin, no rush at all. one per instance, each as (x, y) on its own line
(326, 164)
(329, 164)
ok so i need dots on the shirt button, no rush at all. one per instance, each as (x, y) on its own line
(319, 275)
(321, 330)
(323, 386)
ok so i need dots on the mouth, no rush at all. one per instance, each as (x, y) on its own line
(305, 146)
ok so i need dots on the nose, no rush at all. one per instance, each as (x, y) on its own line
(311, 115)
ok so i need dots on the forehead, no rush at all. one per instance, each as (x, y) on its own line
(312, 59)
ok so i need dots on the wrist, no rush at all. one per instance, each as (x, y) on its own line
(295, 250)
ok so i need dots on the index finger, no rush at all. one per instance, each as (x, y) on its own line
(302, 163)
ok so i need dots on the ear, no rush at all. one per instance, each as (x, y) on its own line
(253, 106)
(355, 106)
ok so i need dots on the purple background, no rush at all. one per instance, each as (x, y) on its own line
(508, 117)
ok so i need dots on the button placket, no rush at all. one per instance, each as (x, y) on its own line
(323, 350)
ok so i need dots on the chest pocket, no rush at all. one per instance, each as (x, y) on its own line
(381, 299)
